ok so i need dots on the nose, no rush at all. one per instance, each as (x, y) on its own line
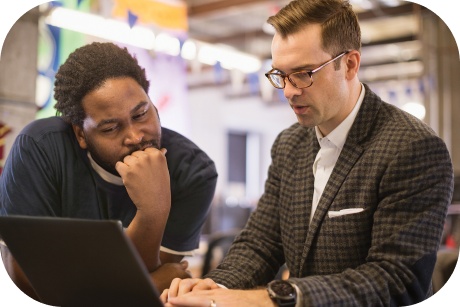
(290, 90)
(133, 136)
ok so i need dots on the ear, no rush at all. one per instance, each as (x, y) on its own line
(353, 60)
(80, 135)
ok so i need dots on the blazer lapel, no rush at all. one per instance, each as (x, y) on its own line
(351, 152)
(302, 180)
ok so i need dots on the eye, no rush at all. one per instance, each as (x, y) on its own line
(109, 129)
(140, 115)
(303, 74)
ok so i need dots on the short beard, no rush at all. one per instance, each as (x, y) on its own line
(107, 165)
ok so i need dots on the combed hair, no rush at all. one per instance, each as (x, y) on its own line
(339, 23)
(86, 69)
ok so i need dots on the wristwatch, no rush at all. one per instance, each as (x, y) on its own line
(282, 293)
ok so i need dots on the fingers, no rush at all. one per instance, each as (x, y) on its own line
(184, 264)
(205, 284)
(191, 301)
(153, 149)
(180, 286)
(186, 285)
(133, 158)
(164, 296)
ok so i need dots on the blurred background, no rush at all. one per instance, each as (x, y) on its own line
(206, 59)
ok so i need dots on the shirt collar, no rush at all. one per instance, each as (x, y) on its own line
(109, 177)
(339, 135)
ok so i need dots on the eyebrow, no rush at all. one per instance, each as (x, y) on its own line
(306, 67)
(139, 106)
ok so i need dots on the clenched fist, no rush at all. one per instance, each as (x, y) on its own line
(146, 178)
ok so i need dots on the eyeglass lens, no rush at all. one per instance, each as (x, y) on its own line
(299, 79)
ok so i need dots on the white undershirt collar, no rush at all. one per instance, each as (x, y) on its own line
(111, 178)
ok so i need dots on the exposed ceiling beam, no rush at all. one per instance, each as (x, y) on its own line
(387, 11)
(215, 6)
(218, 6)
(379, 11)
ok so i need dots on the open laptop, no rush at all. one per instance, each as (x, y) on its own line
(78, 262)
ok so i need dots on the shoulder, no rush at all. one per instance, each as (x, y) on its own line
(291, 137)
(46, 127)
(51, 136)
(383, 120)
(180, 147)
(186, 160)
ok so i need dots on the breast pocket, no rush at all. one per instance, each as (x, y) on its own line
(345, 236)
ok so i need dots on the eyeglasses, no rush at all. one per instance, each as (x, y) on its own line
(299, 79)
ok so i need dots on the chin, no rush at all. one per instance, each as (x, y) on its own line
(306, 124)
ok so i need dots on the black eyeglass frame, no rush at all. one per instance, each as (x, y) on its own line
(309, 72)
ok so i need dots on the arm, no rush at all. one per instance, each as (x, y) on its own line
(29, 186)
(146, 178)
(193, 180)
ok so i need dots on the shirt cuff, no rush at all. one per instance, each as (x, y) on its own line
(170, 251)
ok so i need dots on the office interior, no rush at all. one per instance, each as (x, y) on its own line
(207, 62)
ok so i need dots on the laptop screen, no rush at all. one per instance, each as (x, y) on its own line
(78, 262)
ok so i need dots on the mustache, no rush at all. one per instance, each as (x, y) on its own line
(141, 146)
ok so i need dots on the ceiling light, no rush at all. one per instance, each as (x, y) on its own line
(415, 108)
(95, 25)
(167, 44)
(188, 51)
(143, 37)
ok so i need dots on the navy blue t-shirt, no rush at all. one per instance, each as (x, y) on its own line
(48, 174)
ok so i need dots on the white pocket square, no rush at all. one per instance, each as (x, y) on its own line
(342, 212)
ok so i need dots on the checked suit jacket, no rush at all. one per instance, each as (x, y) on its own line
(392, 166)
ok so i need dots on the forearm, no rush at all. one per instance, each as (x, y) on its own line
(146, 178)
(146, 232)
(252, 261)
(257, 252)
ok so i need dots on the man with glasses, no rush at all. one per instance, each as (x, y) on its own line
(357, 191)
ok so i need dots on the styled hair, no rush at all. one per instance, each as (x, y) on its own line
(86, 69)
(340, 29)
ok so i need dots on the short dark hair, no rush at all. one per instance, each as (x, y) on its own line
(339, 23)
(86, 69)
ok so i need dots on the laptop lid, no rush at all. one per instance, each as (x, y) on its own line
(78, 262)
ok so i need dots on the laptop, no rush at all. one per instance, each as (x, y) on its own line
(78, 262)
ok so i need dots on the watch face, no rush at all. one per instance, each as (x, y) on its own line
(281, 289)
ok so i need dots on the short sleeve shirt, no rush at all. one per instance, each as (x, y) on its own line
(48, 174)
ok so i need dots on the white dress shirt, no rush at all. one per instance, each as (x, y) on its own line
(331, 146)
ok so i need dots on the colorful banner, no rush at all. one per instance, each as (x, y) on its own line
(55, 45)
(172, 16)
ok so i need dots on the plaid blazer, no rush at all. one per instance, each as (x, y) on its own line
(392, 166)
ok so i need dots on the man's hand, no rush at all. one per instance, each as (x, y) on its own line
(223, 298)
(182, 286)
(163, 276)
(146, 177)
